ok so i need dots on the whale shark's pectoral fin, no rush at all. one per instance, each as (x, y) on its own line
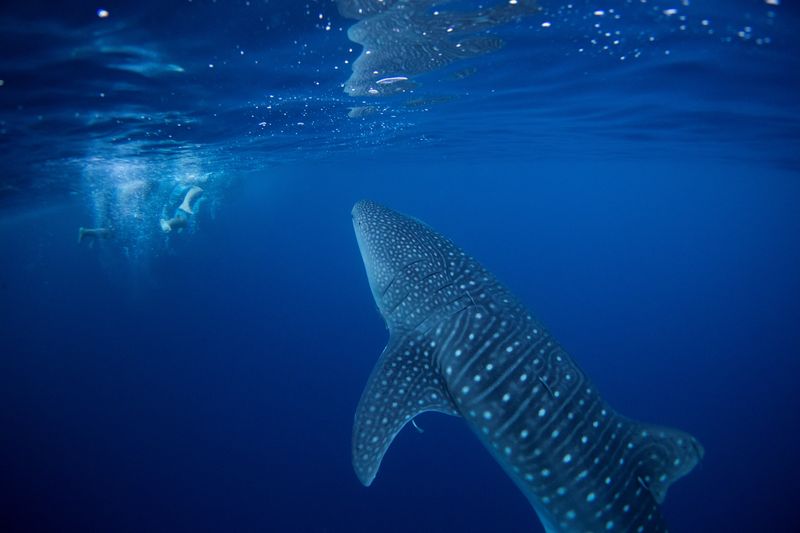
(402, 385)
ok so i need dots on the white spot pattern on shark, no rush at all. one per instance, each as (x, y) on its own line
(460, 343)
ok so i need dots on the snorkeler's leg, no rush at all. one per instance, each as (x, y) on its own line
(176, 222)
(191, 196)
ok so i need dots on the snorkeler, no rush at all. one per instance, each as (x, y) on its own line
(92, 234)
(181, 218)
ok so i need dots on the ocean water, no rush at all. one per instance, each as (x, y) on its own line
(629, 169)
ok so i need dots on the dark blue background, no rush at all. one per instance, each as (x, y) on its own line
(214, 388)
(646, 209)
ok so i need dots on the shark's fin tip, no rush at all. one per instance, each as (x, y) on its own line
(396, 392)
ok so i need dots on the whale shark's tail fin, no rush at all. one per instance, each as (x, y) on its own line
(81, 233)
(664, 456)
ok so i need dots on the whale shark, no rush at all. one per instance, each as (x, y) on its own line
(461, 344)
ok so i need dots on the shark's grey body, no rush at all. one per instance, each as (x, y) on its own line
(460, 343)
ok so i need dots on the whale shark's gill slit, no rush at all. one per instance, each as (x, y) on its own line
(434, 313)
(430, 244)
(398, 304)
(389, 285)
(438, 320)
(435, 272)
(397, 274)
(443, 287)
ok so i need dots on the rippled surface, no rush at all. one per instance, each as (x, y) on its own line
(402, 40)
(239, 87)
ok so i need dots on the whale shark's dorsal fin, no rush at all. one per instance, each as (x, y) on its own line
(402, 386)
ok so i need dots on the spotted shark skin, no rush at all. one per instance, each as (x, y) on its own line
(460, 343)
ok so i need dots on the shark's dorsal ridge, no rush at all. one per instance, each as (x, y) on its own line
(467, 346)
(402, 386)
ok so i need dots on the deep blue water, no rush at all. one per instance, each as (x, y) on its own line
(632, 175)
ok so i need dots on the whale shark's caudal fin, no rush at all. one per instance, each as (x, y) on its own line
(81, 233)
(402, 385)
